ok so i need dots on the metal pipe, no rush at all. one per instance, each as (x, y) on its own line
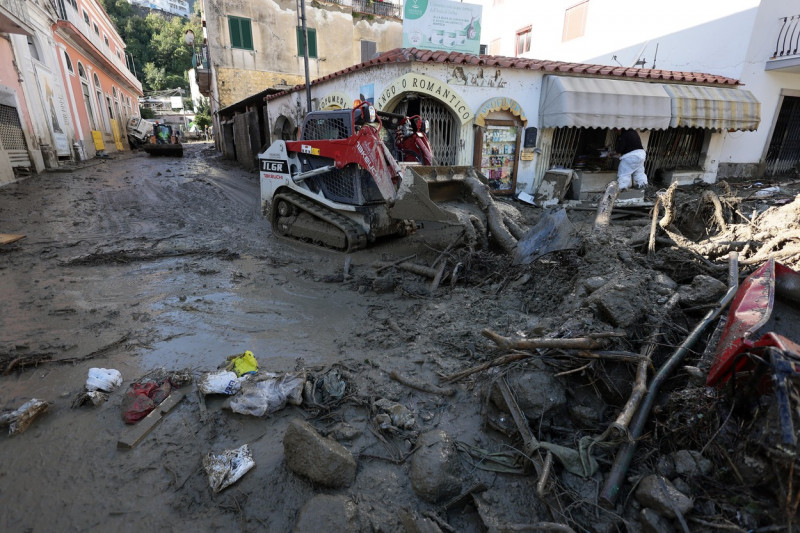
(622, 462)
(297, 178)
(305, 54)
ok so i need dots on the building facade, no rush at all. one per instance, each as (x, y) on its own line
(174, 7)
(249, 47)
(518, 118)
(65, 89)
(755, 42)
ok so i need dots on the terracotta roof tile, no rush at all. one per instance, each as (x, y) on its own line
(410, 55)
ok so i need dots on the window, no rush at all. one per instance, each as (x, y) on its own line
(69, 63)
(241, 33)
(368, 50)
(32, 48)
(96, 29)
(482, 49)
(86, 17)
(105, 38)
(494, 47)
(523, 41)
(312, 42)
(575, 21)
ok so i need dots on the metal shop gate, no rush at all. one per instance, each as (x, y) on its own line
(12, 139)
(674, 149)
(443, 134)
(783, 153)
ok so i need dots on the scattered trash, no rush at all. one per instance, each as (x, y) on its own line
(93, 397)
(103, 379)
(526, 198)
(228, 467)
(221, 382)
(242, 364)
(142, 398)
(767, 192)
(269, 394)
(136, 433)
(553, 232)
(19, 420)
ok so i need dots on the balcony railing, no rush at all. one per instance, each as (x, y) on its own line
(15, 11)
(788, 40)
(377, 7)
(200, 58)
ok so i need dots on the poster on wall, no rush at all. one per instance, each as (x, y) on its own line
(53, 109)
(442, 25)
(366, 93)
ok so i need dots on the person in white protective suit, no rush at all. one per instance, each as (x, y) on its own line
(631, 160)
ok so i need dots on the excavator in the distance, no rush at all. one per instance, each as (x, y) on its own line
(342, 186)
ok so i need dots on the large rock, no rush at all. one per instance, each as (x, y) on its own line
(435, 467)
(336, 514)
(537, 392)
(703, 290)
(620, 302)
(317, 458)
(660, 495)
(690, 463)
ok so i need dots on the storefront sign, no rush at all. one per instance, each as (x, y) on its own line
(335, 101)
(422, 84)
(442, 25)
(499, 103)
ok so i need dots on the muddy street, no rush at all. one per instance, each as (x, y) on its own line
(485, 405)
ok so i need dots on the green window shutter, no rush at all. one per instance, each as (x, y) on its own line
(236, 34)
(247, 34)
(312, 42)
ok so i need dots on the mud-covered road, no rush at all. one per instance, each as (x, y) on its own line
(141, 264)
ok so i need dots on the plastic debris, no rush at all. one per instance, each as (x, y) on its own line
(269, 394)
(19, 420)
(141, 398)
(222, 382)
(242, 364)
(103, 379)
(228, 467)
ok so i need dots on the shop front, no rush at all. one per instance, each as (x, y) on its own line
(499, 124)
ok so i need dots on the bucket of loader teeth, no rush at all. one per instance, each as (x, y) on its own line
(424, 188)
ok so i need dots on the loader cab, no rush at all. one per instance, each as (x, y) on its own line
(327, 125)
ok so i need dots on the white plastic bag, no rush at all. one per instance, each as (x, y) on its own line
(226, 468)
(104, 379)
(222, 382)
(269, 395)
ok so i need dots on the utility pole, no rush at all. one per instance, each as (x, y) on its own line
(305, 53)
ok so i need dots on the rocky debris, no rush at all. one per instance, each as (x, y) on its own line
(538, 392)
(344, 431)
(333, 514)
(613, 302)
(702, 291)
(652, 522)
(393, 415)
(320, 459)
(690, 463)
(659, 494)
(435, 467)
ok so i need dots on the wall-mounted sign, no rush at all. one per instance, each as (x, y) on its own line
(367, 93)
(422, 84)
(442, 25)
(335, 101)
(499, 103)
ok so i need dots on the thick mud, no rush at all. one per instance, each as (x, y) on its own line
(140, 264)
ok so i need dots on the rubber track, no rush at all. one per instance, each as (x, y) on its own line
(356, 238)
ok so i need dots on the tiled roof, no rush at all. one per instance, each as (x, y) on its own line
(409, 55)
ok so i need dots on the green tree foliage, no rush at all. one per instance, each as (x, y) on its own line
(155, 42)
(202, 114)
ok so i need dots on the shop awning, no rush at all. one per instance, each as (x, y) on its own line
(713, 107)
(602, 103)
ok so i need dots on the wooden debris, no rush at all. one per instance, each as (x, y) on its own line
(420, 385)
(19, 420)
(8, 238)
(588, 342)
(135, 434)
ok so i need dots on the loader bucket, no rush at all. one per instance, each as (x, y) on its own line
(424, 190)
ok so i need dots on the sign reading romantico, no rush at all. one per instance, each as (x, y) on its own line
(420, 83)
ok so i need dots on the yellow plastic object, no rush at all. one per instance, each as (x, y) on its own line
(242, 364)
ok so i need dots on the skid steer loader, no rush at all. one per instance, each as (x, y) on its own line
(341, 186)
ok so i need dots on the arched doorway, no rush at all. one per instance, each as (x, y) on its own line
(444, 127)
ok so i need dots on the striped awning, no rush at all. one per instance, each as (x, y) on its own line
(585, 102)
(716, 108)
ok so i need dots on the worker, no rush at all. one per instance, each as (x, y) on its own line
(631, 160)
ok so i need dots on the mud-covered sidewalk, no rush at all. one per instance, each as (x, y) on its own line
(154, 265)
